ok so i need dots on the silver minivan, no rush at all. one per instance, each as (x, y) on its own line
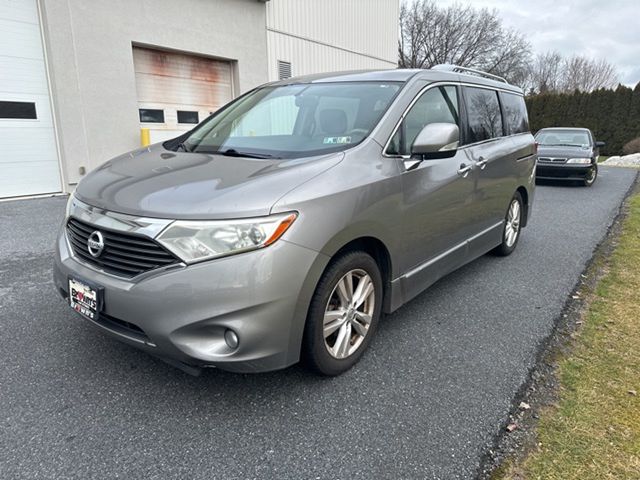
(283, 226)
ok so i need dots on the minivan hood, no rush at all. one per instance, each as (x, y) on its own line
(564, 152)
(155, 182)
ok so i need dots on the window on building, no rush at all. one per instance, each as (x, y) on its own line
(284, 70)
(21, 110)
(485, 118)
(515, 111)
(150, 115)
(185, 116)
(436, 105)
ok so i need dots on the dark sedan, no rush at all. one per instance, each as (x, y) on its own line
(567, 154)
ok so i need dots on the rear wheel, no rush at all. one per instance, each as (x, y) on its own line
(590, 177)
(512, 226)
(343, 314)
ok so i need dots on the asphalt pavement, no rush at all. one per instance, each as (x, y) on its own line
(426, 401)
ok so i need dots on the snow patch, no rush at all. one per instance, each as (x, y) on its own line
(624, 161)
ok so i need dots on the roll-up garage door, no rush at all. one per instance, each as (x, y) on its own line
(28, 159)
(177, 91)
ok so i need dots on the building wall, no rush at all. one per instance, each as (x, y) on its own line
(332, 35)
(90, 61)
(29, 163)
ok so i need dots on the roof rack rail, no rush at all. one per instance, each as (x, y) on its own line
(445, 67)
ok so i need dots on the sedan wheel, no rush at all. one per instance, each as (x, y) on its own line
(590, 177)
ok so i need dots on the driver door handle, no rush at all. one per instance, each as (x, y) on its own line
(482, 162)
(464, 169)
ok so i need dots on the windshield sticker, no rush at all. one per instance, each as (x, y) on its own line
(335, 140)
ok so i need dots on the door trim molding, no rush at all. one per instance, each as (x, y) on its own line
(448, 252)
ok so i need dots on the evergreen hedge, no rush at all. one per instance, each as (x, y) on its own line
(612, 115)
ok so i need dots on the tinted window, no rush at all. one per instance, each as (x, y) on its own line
(22, 110)
(483, 110)
(515, 111)
(185, 116)
(149, 115)
(436, 105)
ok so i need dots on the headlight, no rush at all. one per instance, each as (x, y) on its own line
(69, 204)
(194, 241)
(583, 161)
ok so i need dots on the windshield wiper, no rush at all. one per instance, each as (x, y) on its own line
(232, 152)
(560, 145)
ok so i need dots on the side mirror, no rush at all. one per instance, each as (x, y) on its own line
(436, 140)
(600, 144)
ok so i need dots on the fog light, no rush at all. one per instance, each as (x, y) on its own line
(231, 338)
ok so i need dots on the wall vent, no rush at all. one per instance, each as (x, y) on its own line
(284, 70)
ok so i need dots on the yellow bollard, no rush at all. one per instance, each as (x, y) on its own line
(145, 137)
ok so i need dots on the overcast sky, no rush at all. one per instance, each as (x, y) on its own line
(597, 28)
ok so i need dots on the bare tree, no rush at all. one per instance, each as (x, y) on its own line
(547, 72)
(462, 35)
(551, 72)
(586, 75)
(471, 37)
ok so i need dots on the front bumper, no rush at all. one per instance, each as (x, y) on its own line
(562, 171)
(181, 314)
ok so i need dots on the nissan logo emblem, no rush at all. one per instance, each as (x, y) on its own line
(95, 244)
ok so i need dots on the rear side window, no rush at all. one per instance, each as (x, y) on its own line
(483, 111)
(436, 105)
(515, 112)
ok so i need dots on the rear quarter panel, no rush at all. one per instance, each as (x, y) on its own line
(525, 166)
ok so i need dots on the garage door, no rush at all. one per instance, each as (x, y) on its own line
(28, 159)
(176, 91)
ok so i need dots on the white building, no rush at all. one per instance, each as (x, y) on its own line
(80, 78)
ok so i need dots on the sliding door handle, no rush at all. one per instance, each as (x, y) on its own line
(464, 170)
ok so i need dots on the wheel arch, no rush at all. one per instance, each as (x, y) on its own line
(380, 253)
(337, 246)
(525, 199)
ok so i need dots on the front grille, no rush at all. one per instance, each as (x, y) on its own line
(551, 160)
(124, 254)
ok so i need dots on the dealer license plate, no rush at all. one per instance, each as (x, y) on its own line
(84, 299)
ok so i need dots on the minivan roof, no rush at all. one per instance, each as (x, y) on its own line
(396, 75)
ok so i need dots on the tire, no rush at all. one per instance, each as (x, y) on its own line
(348, 334)
(509, 239)
(590, 178)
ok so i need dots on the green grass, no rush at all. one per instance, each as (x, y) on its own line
(593, 433)
(602, 158)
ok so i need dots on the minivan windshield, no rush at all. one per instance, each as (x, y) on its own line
(297, 120)
(563, 138)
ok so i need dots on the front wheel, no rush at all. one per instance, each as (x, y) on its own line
(343, 314)
(590, 177)
(512, 226)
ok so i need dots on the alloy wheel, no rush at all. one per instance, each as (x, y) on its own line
(512, 226)
(348, 313)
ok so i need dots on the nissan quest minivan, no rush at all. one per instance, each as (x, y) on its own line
(283, 226)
